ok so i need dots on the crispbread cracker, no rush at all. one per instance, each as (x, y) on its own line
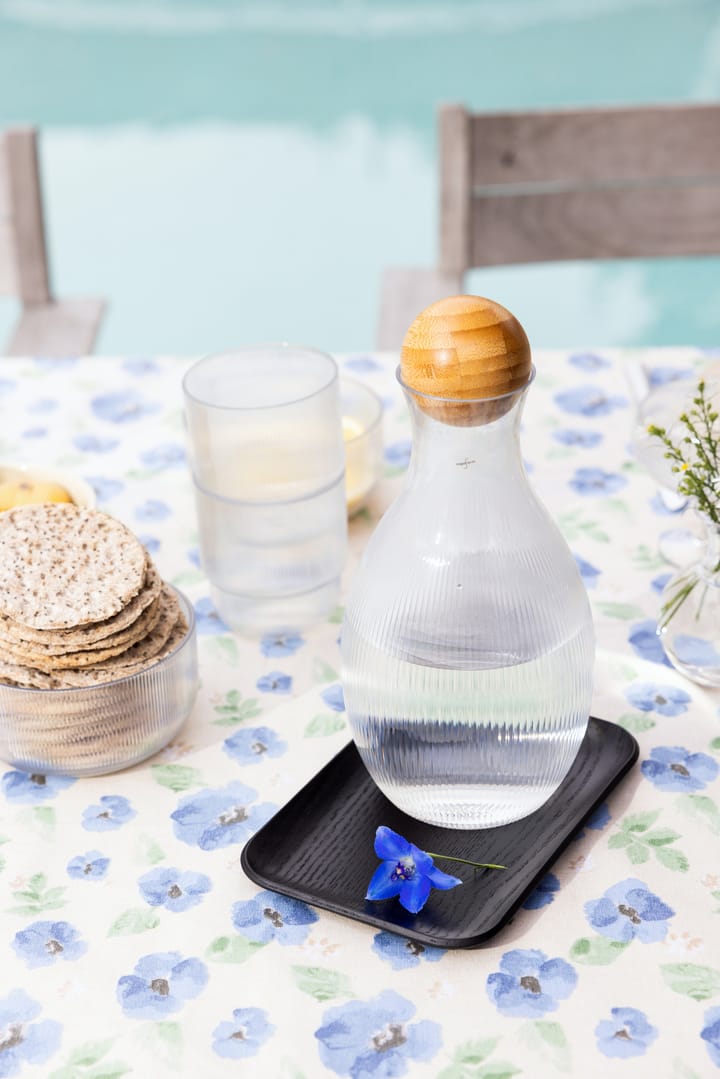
(88, 635)
(15, 674)
(63, 566)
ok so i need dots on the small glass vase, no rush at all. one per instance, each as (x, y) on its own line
(689, 624)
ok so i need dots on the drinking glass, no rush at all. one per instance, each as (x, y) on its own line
(267, 458)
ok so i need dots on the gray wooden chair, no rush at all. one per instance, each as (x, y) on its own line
(572, 184)
(47, 327)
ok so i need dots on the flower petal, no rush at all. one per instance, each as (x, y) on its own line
(389, 844)
(438, 879)
(382, 886)
(414, 893)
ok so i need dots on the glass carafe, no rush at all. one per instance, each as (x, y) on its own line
(468, 640)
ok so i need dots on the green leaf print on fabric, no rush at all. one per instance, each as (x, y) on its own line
(86, 1062)
(232, 949)
(623, 611)
(701, 808)
(469, 1061)
(224, 648)
(573, 526)
(681, 1071)
(547, 1039)
(322, 725)
(40, 820)
(235, 710)
(337, 616)
(178, 777)
(36, 897)
(321, 983)
(134, 921)
(640, 842)
(715, 745)
(148, 851)
(691, 980)
(597, 951)
(635, 724)
(323, 672)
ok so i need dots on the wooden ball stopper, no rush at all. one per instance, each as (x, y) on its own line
(465, 348)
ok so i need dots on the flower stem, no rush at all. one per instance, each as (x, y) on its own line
(465, 861)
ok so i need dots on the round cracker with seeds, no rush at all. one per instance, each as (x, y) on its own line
(63, 565)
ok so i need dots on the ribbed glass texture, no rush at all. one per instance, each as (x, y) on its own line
(468, 641)
(98, 729)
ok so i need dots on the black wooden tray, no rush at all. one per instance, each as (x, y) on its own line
(319, 847)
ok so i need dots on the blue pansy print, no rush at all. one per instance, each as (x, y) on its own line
(363, 365)
(173, 888)
(167, 455)
(695, 651)
(661, 375)
(32, 786)
(242, 1035)
(658, 583)
(710, 1034)
(598, 819)
(596, 481)
(193, 556)
(652, 697)
(676, 769)
(91, 866)
(588, 401)
(140, 365)
(570, 437)
(588, 361)
(333, 697)
(530, 984)
(207, 620)
(375, 1037)
(23, 1038)
(218, 818)
(153, 510)
(660, 506)
(42, 405)
(628, 910)
(54, 363)
(7, 384)
(122, 406)
(112, 812)
(402, 953)
(94, 444)
(280, 644)
(44, 943)
(270, 916)
(251, 746)
(104, 487)
(274, 682)
(160, 985)
(645, 642)
(588, 572)
(544, 893)
(150, 543)
(627, 1034)
(397, 455)
(35, 432)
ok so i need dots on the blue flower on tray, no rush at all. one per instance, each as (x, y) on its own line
(281, 644)
(274, 682)
(588, 572)
(153, 510)
(252, 746)
(406, 872)
(44, 943)
(32, 786)
(627, 1034)
(375, 1037)
(588, 401)
(243, 1035)
(25, 1039)
(112, 812)
(569, 437)
(529, 984)
(160, 985)
(215, 818)
(122, 406)
(710, 1034)
(544, 893)
(270, 916)
(95, 444)
(167, 455)
(653, 697)
(333, 697)
(588, 361)
(595, 481)
(207, 619)
(629, 910)
(173, 889)
(646, 644)
(674, 768)
(91, 866)
(402, 953)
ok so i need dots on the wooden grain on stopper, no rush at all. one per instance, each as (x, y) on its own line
(465, 348)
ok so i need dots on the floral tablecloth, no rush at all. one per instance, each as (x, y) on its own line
(132, 943)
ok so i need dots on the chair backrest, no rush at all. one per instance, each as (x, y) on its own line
(23, 256)
(578, 184)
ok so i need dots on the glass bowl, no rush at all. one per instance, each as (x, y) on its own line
(362, 411)
(93, 730)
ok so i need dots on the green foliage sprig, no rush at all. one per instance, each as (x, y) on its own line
(696, 455)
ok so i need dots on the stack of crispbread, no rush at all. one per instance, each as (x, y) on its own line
(81, 602)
